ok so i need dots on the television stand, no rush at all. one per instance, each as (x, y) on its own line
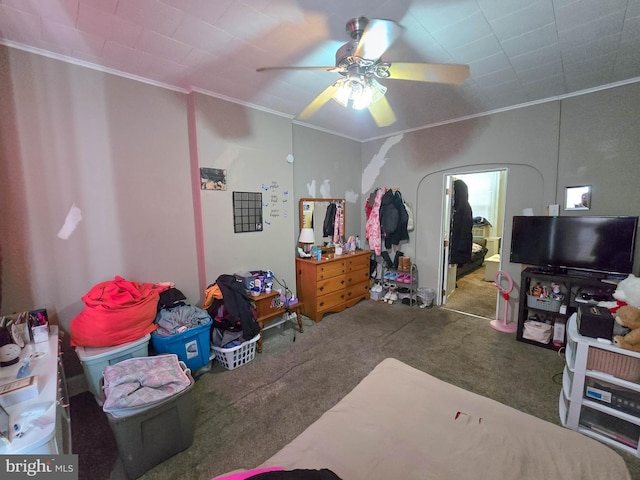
(549, 312)
(551, 270)
(586, 274)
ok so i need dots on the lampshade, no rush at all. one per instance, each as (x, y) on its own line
(307, 236)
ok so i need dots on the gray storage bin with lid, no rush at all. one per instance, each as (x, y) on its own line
(150, 437)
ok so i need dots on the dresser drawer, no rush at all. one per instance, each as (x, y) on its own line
(357, 276)
(330, 269)
(326, 302)
(357, 291)
(356, 263)
(330, 285)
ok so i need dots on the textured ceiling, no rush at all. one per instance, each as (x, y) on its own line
(519, 51)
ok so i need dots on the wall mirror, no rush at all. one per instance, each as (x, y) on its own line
(578, 198)
(313, 212)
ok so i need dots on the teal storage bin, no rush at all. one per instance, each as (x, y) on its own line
(191, 346)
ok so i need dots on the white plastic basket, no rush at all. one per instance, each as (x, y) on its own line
(234, 357)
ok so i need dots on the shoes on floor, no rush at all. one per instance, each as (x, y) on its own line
(392, 298)
(387, 297)
(391, 276)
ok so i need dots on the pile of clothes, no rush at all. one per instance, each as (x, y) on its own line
(233, 312)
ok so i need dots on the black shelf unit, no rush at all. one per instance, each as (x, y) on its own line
(572, 284)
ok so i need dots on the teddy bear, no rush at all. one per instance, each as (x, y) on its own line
(628, 316)
(627, 293)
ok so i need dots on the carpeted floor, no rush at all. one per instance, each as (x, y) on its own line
(474, 295)
(244, 416)
(92, 438)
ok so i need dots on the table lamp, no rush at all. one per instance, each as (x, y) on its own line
(307, 239)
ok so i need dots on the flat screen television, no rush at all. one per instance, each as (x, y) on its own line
(582, 243)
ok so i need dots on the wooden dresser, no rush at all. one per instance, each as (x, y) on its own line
(332, 285)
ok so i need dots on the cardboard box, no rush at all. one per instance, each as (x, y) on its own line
(595, 322)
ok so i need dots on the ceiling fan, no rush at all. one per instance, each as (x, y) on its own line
(359, 62)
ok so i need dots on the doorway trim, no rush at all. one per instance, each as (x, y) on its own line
(446, 216)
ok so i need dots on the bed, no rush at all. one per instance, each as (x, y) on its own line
(478, 252)
(402, 423)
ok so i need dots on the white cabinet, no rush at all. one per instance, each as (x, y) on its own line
(44, 418)
(593, 401)
(493, 247)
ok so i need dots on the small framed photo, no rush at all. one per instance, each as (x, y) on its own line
(578, 198)
(213, 179)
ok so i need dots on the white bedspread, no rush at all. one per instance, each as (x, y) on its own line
(400, 423)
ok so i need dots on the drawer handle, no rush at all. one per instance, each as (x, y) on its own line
(342, 282)
(321, 288)
(322, 304)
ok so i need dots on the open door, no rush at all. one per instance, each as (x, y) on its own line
(487, 194)
(448, 271)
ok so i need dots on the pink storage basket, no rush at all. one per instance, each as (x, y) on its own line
(616, 364)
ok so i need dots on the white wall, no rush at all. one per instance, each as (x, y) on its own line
(252, 146)
(328, 166)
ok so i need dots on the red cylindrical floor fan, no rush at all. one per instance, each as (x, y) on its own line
(504, 325)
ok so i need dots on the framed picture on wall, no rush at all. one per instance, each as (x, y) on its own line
(578, 198)
(213, 179)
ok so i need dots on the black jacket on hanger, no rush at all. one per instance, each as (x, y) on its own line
(461, 238)
(329, 220)
(401, 233)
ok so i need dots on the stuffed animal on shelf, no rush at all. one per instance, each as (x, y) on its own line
(629, 317)
(627, 293)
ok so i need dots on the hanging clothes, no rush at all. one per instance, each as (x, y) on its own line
(238, 304)
(372, 228)
(461, 238)
(328, 227)
(389, 215)
(401, 233)
(338, 230)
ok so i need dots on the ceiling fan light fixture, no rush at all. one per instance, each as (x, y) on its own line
(358, 93)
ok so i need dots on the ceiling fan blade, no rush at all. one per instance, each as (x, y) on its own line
(376, 38)
(319, 101)
(382, 113)
(429, 72)
(328, 69)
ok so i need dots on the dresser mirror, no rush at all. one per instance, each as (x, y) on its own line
(313, 212)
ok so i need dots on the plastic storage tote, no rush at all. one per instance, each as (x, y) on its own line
(94, 359)
(154, 435)
(191, 346)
